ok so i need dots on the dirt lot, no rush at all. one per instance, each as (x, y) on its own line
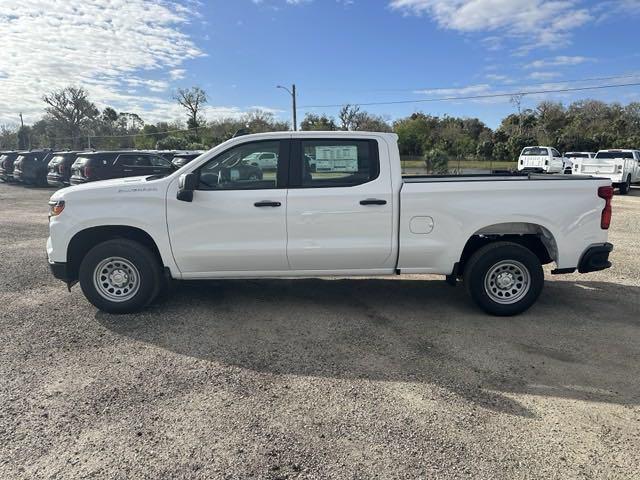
(380, 378)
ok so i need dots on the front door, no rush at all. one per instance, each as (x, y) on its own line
(236, 222)
(340, 206)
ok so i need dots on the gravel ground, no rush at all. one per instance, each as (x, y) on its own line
(379, 378)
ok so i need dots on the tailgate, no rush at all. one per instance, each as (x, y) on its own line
(533, 161)
(598, 167)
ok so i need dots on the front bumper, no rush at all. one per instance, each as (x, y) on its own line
(61, 272)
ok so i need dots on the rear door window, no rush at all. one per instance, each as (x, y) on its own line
(335, 163)
(130, 160)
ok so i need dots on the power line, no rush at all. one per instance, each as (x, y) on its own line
(129, 135)
(476, 97)
(496, 85)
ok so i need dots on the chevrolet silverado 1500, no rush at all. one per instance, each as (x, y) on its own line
(123, 239)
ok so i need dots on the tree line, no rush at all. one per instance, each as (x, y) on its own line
(72, 121)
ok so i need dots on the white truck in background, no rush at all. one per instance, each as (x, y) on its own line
(122, 239)
(540, 160)
(571, 157)
(622, 167)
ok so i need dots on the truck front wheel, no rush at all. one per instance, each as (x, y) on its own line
(120, 276)
(504, 278)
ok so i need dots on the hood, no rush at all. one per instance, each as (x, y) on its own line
(116, 184)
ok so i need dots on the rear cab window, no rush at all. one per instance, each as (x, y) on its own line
(612, 155)
(535, 152)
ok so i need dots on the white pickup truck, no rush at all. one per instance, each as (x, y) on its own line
(541, 160)
(622, 167)
(124, 239)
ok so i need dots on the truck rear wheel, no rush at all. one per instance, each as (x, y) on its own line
(626, 186)
(504, 278)
(120, 276)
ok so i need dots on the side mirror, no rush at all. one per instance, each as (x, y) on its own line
(187, 183)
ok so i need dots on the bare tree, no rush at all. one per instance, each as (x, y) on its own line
(192, 99)
(349, 117)
(72, 108)
(516, 101)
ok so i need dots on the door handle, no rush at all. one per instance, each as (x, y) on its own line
(373, 201)
(267, 203)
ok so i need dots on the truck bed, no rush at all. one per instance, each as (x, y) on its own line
(492, 177)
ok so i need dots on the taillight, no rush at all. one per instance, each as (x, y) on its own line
(61, 168)
(87, 172)
(606, 193)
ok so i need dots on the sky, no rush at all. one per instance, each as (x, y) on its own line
(134, 54)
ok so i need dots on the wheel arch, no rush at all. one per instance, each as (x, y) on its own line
(86, 239)
(535, 237)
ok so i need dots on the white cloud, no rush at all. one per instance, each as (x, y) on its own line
(559, 61)
(544, 75)
(110, 47)
(536, 23)
(462, 91)
(177, 74)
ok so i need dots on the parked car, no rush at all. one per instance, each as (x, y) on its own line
(92, 166)
(263, 160)
(7, 159)
(59, 168)
(541, 160)
(570, 157)
(30, 167)
(622, 167)
(181, 159)
(230, 169)
(121, 239)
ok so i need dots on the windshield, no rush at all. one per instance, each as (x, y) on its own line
(57, 159)
(614, 155)
(576, 155)
(535, 151)
(80, 161)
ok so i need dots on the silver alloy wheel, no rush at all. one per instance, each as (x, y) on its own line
(116, 279)
(507, 282)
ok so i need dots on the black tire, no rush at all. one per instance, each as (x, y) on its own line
(626, 186)
(149, 281)
(479, 278)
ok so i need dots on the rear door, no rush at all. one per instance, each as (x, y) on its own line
(340, 212)
(133, 165)
(160, 165)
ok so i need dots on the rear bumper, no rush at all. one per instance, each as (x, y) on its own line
(594, 259)
(55, 180)
(77, 180)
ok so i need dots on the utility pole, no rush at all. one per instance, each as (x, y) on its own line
(294, 98)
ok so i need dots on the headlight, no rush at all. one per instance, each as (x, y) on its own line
(56, 208)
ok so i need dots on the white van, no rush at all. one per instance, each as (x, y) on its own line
(541, 160)
(570, 157)
(621, 166)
